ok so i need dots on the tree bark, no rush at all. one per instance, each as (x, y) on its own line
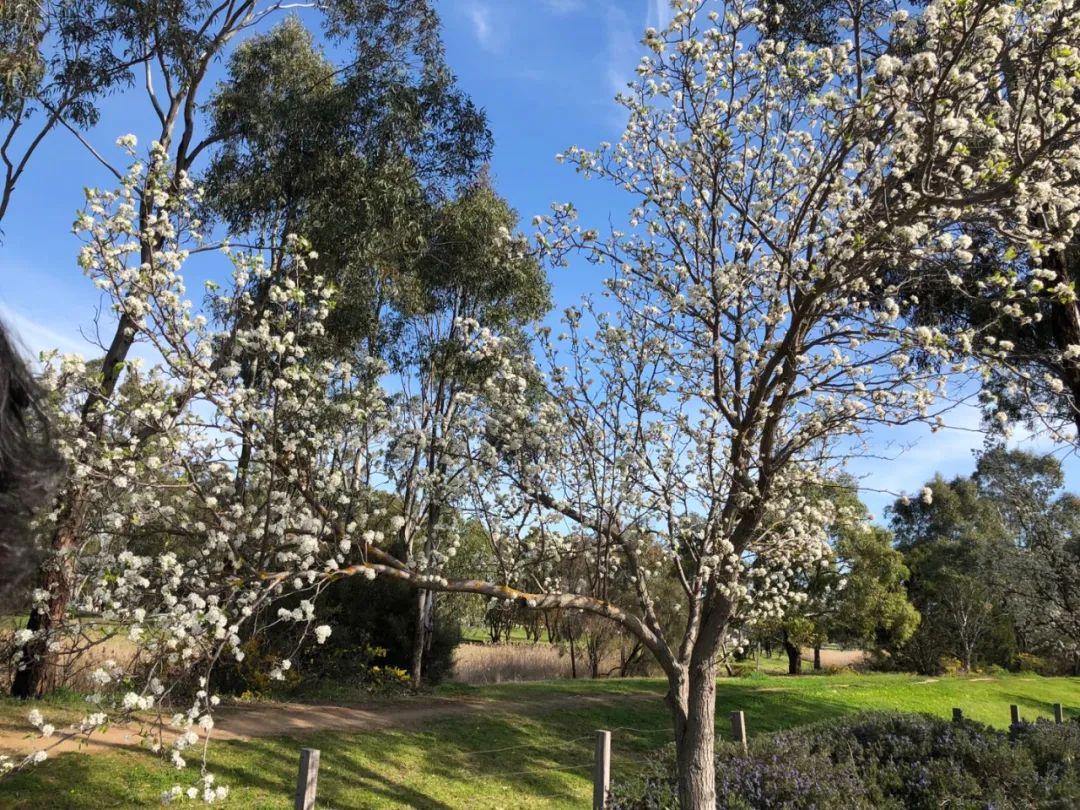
(57, 576)
(692, 698)
(794, 657)
(817, 658)
(421, 636)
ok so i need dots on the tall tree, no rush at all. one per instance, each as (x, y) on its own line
(474, 271)
(1039, 570)
(57, 59)
(947, 536)
(375, 165)
(872, 607)
(185, 39)
(355, 157)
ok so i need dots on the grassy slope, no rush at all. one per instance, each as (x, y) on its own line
(430, 768)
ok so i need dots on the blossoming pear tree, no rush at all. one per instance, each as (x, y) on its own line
(180, 538)
(752, 333)
(388, 51)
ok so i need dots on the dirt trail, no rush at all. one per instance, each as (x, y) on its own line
(297, 719)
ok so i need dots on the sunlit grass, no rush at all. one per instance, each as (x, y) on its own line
(430, 766)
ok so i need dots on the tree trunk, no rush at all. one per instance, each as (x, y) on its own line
(817, 658)
(58, 570)
(692, 699)
(421, 637)
(794, 657)
(57, 576)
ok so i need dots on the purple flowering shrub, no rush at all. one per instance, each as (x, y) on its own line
(883, 760)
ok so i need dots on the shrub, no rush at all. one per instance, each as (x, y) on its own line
(950, 665)
(882, 760)
(1026, 662)
(369, 648)
(379, 614)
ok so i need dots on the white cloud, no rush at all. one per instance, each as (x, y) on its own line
(660, 14)
(621, 50)
(35, 337)
(480, 17)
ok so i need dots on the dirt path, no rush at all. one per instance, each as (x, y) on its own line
(298, 719)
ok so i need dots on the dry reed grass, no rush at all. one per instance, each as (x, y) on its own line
(73, 669)
(480, 664)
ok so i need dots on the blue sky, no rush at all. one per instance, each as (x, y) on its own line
(546, 72)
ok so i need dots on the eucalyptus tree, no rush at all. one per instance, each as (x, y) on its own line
(474, 270)
(1038, 571)
(379, 166)
(58, 58)
(947, 537)
(355, 157)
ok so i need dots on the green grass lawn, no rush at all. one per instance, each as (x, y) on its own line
(432, 767)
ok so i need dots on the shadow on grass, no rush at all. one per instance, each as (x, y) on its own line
(524, 755)
(531, 759)
(71, 781)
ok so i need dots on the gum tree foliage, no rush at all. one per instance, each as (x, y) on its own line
(993, 560)
(381, 176)
(873, 609)
(185, 38)
(855, 594)
(1037, 380)
(355, 157)
(1039, 569)
(57, 60)
(947, 538)
(473, 271)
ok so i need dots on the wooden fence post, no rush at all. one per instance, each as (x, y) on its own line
(738, 728)
(1059, 715)
(308, 779)
(602, 771)
(957, 715)
(1014, 712)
